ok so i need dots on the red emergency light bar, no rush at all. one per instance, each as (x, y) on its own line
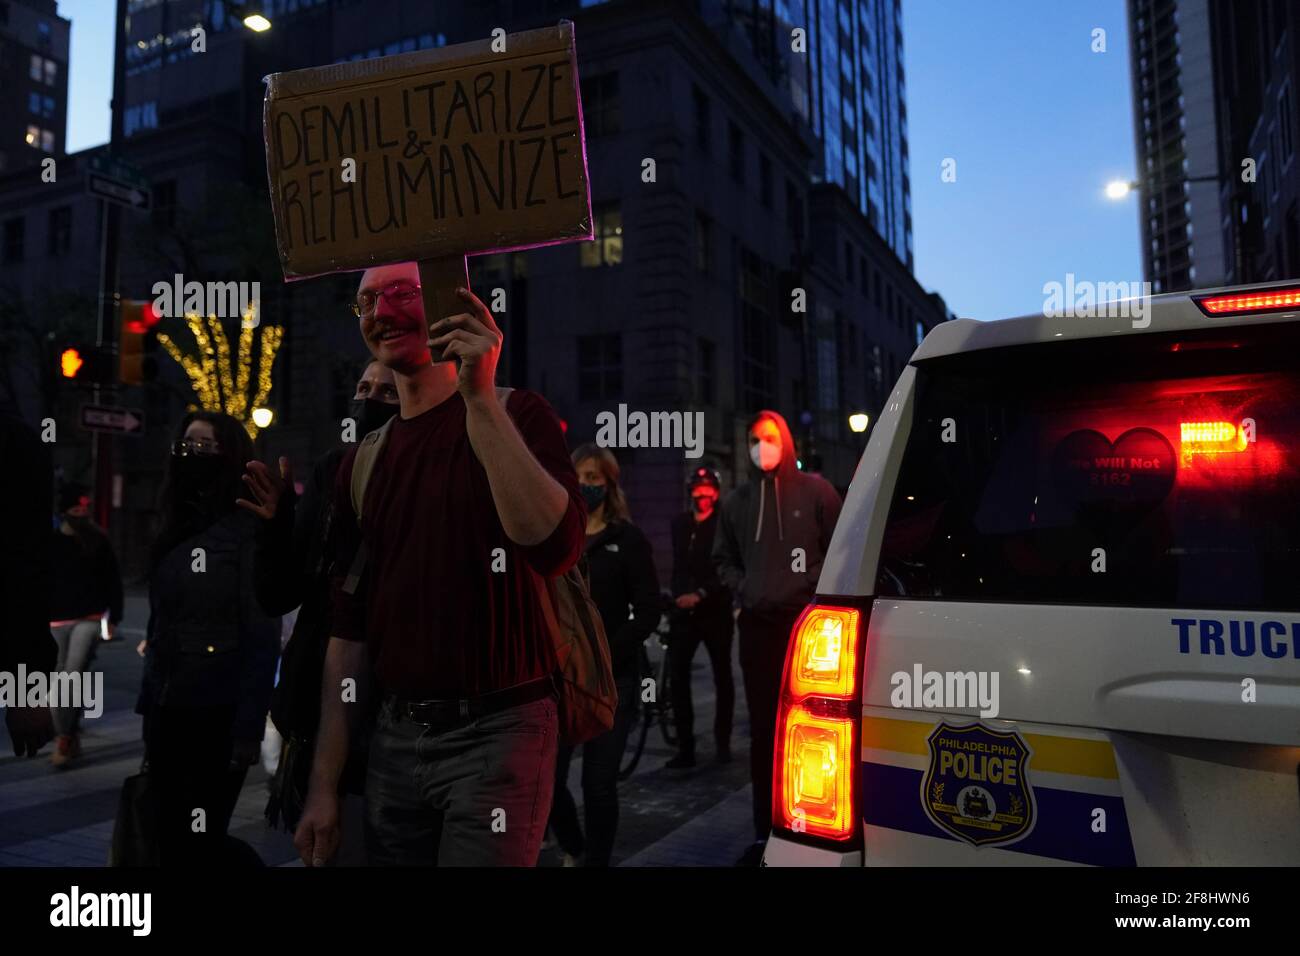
(1269, 300)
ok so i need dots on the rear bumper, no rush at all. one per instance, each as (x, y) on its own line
(783, 852)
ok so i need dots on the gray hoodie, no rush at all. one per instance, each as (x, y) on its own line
(762, 523)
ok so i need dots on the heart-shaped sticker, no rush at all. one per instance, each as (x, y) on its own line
(1126, 478)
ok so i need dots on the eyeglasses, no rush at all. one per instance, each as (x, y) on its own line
(397, 293)
(195, 446)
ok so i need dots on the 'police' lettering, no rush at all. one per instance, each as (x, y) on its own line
(981, 768)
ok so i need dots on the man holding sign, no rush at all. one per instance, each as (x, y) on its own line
(402, 166)
(467, 490)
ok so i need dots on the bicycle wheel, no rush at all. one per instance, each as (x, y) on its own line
(640, 728)
(664, 700)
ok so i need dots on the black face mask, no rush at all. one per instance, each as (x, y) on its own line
(371, 413)
(195, 473)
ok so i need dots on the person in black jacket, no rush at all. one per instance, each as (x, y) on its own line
(625, 588)
(87, 585)
(26, 503)
(210, 649)
(702, 615)
(292, 570)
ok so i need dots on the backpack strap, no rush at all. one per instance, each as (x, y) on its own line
(363, 466)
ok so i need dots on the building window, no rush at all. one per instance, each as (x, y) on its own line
(600, 367)
(35, 72)
(164, 203)
(702, 118)
(600, 113)
(703, 243)
(13, 240)
(736, 153)
(60, 231)
(51, 72)
(875, 277)
(765, 180)
(42, 139)
(607, 249)
(758, 354)
(848, 262)
(862, 275)
(793, 209)
(706, 372)
(1284, 122)
(140, 116)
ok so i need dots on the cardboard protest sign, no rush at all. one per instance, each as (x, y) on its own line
(428, 156)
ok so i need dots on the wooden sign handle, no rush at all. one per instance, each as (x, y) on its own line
(439, 280)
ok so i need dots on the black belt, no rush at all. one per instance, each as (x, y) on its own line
(447, 714)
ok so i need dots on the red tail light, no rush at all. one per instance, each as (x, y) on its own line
(816, 726)
(1267, 300)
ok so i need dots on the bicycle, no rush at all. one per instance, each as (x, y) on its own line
(657, 710)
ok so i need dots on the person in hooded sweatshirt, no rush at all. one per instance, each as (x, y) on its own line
(762, 522)
(291, 569)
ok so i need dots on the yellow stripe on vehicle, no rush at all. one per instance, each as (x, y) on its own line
(1070, 755)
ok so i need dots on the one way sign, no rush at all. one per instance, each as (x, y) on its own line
(115, 191)
(117, 181)
(108, 418)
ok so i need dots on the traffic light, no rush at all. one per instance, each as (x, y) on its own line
(136, 342)
(85, 364)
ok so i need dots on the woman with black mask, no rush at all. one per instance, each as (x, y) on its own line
(210, 650)
(625, 587)
(86, 586)
(291, 570)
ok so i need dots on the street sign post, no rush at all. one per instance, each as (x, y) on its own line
(112, 419)
(117, 182)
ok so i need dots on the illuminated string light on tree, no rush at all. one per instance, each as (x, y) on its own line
(219, 385)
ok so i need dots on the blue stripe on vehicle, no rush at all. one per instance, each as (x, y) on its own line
(891, 797)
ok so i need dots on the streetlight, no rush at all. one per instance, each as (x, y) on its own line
(859, 421)
(1118, 189)
(263, 417)
(250, 13)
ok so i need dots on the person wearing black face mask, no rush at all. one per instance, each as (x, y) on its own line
(87, 586)
(210, 650)
(292, 571)
(702, 615)
(625, 588)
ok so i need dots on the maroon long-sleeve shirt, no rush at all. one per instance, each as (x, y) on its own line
(440, 622)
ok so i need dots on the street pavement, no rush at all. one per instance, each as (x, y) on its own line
(52, 817)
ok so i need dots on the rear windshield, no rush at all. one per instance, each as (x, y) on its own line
(1151, 470)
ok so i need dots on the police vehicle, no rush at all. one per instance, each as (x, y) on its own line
(1059, 619)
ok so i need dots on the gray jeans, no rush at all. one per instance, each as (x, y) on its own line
(77, 641)
(478, 795)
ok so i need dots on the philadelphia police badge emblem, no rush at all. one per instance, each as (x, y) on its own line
(977, 787)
